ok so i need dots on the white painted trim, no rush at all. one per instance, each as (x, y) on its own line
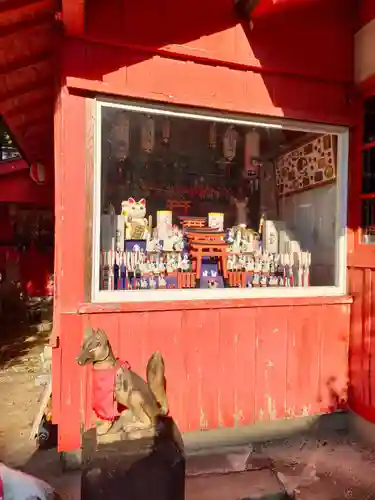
(224, 293)
(221, 117)
(97, 181)
(341, 210)
(214, 294)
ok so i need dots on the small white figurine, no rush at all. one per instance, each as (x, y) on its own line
(231, 262)
(161, 266)
(241, 263)
(150, 243)
(171, 264)
(249, 266)
(212, 284)
(230, 236)
(184, 264)
(162, 282)
(152, 282)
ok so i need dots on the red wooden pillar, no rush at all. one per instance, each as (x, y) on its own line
(361, 256)
(70, 230)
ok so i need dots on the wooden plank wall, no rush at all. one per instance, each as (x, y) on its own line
(362, 341)
(235, 367)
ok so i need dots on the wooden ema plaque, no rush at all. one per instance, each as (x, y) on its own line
(308, 166)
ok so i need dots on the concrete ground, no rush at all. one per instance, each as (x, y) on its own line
(327, 466)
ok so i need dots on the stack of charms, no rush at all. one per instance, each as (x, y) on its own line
(270, 270)
(242, 240)
(139, 270)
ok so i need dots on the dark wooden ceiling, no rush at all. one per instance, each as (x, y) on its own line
(28, 74)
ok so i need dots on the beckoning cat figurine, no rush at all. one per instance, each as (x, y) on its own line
(135, 218)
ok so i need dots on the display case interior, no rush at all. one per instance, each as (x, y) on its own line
(190, 202)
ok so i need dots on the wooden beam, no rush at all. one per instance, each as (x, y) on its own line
(8, 5)
(73, 17)
(40, 19)
(32, 60)
(35, 93)
(28, 129)
(30, 106)
(44, 112)
(46, 81)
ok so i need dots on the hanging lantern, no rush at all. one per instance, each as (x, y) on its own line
(120, 137)
(230, 143)
(148, 135)
(212, 141)
(166, 131)
(38, 173)
(252, 153)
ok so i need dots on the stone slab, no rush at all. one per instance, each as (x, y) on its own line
(248, 485)
(223, 462)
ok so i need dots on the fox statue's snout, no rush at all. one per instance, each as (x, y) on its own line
(84, 358)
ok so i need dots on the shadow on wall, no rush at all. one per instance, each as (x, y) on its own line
(199, 31)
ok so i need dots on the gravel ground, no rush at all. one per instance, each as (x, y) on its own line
(20, 398)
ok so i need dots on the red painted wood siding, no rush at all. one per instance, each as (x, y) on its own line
(174, 55)
(362, 341)
(284, 39)
(224, 367)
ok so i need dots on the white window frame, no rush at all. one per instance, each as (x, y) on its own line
(342, 133)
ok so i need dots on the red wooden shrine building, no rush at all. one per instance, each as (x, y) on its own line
(137, 106)
(26, 217)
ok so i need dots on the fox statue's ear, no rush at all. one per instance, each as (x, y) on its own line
(100, 335)
(89, 332)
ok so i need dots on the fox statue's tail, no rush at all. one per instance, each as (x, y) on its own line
(155, 374)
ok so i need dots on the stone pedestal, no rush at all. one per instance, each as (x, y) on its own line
(143, 469)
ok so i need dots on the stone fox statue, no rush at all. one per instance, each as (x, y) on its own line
(122, 400)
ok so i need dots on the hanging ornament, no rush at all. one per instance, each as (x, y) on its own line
(212, 140)
(229, 143)
(38, 173)
(252, 153)
(120, 137)
(166, 130)
(148, 135)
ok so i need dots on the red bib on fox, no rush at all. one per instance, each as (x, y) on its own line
(104, 401)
